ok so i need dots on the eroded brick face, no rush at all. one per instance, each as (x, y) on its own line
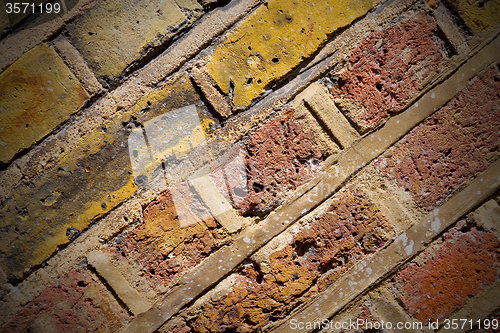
(162, 246)
(387, 70)
(463, 265)
(75, 303)
(281, 157)
(351, 229)
(451, 147)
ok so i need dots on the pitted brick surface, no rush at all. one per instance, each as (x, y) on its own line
(75, 303)
(276, 38)
(462, 266)
(451, 147)
(37, 93)
(164, 248)
(387, 69)
(351, 229)
(115, 33)
(281, 157)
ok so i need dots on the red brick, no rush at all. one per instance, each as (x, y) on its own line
(351, 229)
(281, 157)
(75, 303)
(387, 69)
(451, 146)
(370, 321)
(164, 248)
(463, 265)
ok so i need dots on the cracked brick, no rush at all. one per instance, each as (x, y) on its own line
(452, 146)
(350, 230)
(281, 156)
(75, 303)
(161, 246)
(387, 70)
(463, 265)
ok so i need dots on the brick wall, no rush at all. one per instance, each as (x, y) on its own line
(250, 166)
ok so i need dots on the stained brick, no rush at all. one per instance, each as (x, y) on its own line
(274, 39)
(130, 29)
(452, 146)
(37, 93)
(281, 157)
(463, 265)
(90, 180)
(75, 303)
(387, 69)
(162, 246)
(351, 229)
(477, 14)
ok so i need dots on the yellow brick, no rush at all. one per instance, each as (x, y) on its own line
(37, 93)
(479, 15)
(274, 39)
(113, 34)
(86, 182)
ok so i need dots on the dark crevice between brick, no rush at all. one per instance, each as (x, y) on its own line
(323, 126)
(219, 119)
(447, 45)
(457, 18)
(111, 290)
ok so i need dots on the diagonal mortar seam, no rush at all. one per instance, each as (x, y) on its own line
(469, 195)
(413, 117)
(142, 80)
(479, 307)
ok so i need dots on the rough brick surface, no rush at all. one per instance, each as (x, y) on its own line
(161, 246)
(89, 180)
(75, 303)
(276, 38)
(129, 30)
(37, 93)
(281, 157)
(477, 14)
(387, 69)
(351, 229)
(451, 147)
(464, 264)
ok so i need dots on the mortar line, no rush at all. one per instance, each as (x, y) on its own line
(386, 261)
(351, 160)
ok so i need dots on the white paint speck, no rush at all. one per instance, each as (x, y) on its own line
(409, 248)
(433, 96)
(435, 225)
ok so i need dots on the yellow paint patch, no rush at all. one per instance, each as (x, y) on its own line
(113, 34)
(37, 93)
(277, 37)
(479, 15)
(86, 182)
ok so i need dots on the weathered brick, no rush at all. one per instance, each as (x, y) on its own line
(479, 15)
(280, 158)
(387, 69)
(89, 180)
(273, 40)
(130, 30)
(37, 93)
(351, 229)
(452, 146)
(463, 265)
(162, 246)
(75, 303)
